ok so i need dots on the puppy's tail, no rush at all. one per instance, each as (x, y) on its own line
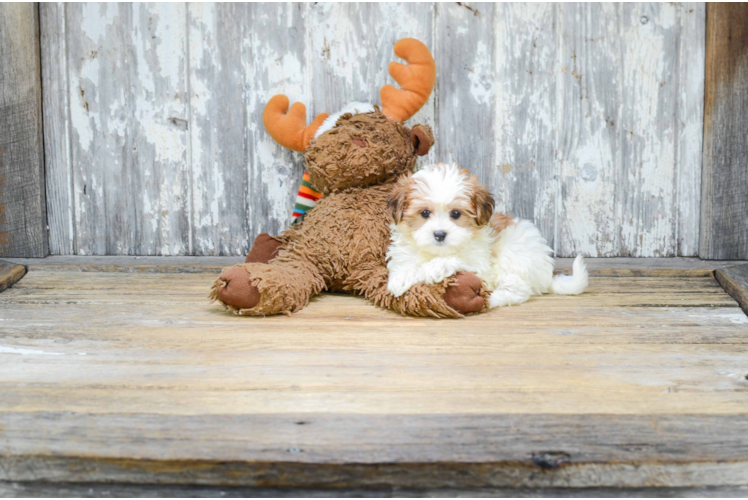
(574, 284)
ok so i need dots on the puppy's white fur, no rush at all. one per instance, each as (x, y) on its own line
(515, 261)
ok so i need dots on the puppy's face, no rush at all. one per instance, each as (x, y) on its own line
(440, 207)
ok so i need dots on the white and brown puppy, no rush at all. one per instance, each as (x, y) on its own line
(444, 223)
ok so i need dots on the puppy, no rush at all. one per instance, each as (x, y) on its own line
(444, 223)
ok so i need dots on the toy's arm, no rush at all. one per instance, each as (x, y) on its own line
(451, 298)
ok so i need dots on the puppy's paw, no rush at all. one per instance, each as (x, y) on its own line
(437, 270)
(399, 283)
(464, 295)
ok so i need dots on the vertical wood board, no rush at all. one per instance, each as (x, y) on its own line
(23, 223)
(724, 206)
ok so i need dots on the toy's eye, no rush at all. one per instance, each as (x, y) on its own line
(455, 214)
(425, 214)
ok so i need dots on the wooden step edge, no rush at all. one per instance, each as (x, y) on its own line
(10, 274)
(613, 266)
(734, 280)
(333, 476)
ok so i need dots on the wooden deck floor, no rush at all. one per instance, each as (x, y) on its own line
(135, 377)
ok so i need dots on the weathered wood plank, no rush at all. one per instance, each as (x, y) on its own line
(98, 490)
(647, 128)
(734, 280)
(524, 173)
(589, 87)
(137, 342)
(10, 274)
(128, 111)
(58, 161)
(466, 81)
(623, 161)
(217, 125)
(351, 46)
(339, 451)
(23, 219)
(724, 202)
(689, 124)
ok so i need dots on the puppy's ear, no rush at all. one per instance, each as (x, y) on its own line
(483, 205)
(397, 202)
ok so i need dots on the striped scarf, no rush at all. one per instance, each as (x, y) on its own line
(306, 198)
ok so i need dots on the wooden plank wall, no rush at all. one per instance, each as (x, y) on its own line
(586, 118)
(23, 225)
(724, 208)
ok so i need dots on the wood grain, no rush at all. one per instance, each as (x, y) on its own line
(734, 280)
(690, 50)
(594, 136)
(10, 274)
(360, 451)
(23, 221)
(58, 162)
(724, 225)
(98, 490)
(134, 377)
(128, 136)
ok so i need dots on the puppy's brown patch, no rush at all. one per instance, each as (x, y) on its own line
(398, 200)
(501, 221)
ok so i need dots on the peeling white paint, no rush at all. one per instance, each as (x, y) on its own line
(28, 352)
(97, 18)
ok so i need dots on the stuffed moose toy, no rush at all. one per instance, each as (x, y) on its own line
(352, 158)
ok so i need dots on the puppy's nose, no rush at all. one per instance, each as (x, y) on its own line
(440, 235)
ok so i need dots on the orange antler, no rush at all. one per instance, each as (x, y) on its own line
(417, 80)
(289, 129)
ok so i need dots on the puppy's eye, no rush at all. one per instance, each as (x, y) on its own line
(455, 214)
(425, 214)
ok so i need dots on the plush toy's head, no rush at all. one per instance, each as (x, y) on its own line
(362, 145)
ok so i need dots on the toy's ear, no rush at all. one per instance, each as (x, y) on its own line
(397, 202)
(483, 205)
(422, 138)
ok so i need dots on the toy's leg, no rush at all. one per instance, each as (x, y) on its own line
(460, 294)
(264, 249)
(259, 289)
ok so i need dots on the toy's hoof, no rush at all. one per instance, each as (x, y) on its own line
(237, 291)
(464, 295)
(264, 249)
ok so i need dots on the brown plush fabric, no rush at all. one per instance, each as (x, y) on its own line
(264, 249)
(341, 244)
(234, 287)
(336, 160)
(422, 139)
(465, 295)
